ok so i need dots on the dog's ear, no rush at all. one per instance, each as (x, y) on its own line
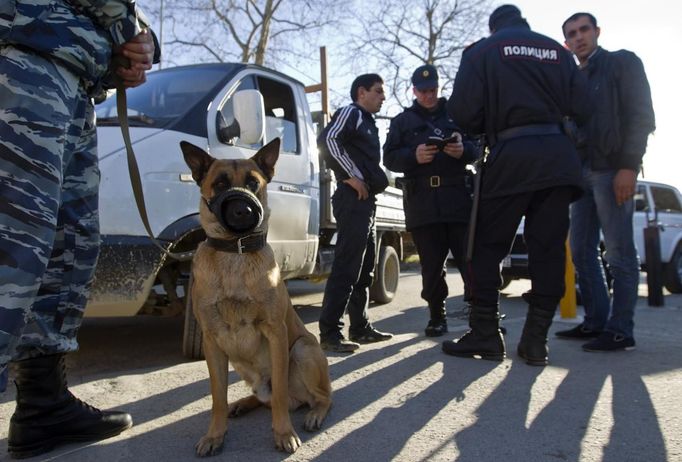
(266, 158)
(197, 159)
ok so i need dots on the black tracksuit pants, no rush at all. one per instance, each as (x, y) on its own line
(545, 231)
(347, 288)
(433, 243)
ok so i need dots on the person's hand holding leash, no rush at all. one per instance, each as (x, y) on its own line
(359, 186)
(140, 51)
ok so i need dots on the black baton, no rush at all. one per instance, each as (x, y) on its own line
(474, 206)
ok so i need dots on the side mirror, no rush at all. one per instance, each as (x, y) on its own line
(249, 112)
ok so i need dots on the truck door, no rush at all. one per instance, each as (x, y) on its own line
(669, 208)
(639, 219)
(292, 196)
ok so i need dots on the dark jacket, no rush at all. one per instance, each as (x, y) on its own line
(516, 78)
(623, 114)
(350, 146)
(424, 202)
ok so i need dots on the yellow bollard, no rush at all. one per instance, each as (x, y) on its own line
(568, 305)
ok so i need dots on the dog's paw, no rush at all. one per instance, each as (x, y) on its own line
(243, 406)
(235, 410)
(313, 420)
(288, 442)
(209, 446)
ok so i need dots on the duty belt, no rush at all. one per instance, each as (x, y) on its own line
(433, 181)
(528, 130)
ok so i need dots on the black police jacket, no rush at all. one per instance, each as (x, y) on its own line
(623, 116)
(350, 146)
(517, 78)
(436, 192)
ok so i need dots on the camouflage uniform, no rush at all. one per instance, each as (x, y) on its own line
(54, 57)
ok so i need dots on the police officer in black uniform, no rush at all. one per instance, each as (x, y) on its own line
(517, 87)
(436, 198)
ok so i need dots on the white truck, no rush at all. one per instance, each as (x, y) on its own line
(654, 202)
(204, 104)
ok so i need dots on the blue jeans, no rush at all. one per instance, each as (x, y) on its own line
(597, 211)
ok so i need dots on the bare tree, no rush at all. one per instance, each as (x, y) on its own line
(395, 36)
(251, 31)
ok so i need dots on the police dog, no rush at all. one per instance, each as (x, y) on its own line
(242, 304)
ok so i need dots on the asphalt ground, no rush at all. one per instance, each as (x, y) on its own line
(400, 400)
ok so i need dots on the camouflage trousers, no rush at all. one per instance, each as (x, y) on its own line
(49, 228)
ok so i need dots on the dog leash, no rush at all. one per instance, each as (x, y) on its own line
(134, 172)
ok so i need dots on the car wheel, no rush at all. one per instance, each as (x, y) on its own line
(673, 272)
(192, 337)
(387, 276)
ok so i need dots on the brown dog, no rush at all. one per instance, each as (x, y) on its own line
(242, 304)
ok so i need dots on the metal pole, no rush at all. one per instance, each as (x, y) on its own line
(325, 87)
(161, 34)
(654, 269)
(568, 304)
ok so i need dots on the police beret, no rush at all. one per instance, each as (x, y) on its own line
(425, 77)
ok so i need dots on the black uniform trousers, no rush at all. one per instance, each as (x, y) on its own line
(347, 288)
(433, 242)
(545, 232)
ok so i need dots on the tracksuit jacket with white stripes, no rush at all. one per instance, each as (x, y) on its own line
(351, 148)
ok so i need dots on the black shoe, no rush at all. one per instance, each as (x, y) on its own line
(86, 423)
(47, 414)
(436, 328)
(474, 345)
(533, 343)
(532, 360)
(579, 332)
(609, 341)
(338, 345)
(371, 335)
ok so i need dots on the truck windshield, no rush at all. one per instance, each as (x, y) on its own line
(165, 98)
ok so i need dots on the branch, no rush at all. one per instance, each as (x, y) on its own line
(195, 44)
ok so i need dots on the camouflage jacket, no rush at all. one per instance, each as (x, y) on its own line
(78, 33)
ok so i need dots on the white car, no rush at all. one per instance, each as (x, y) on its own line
(654, 203)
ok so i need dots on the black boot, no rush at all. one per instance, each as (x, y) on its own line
(484, 340)
(47, 414)
(438, 324)
(533, 344)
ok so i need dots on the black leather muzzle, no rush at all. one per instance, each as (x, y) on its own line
(237, 209)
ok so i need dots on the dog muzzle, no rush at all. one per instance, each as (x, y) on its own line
(237, 209)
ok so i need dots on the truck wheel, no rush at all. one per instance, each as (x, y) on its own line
(387, 275)
(192, 336)
(673, 272)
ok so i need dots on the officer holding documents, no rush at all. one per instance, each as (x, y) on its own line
(425, 145)
(518, 88)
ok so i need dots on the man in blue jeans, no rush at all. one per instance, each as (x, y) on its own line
(616, 139)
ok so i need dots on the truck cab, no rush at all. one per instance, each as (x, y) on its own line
(202, 104)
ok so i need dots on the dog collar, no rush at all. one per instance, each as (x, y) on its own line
(249, 243)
